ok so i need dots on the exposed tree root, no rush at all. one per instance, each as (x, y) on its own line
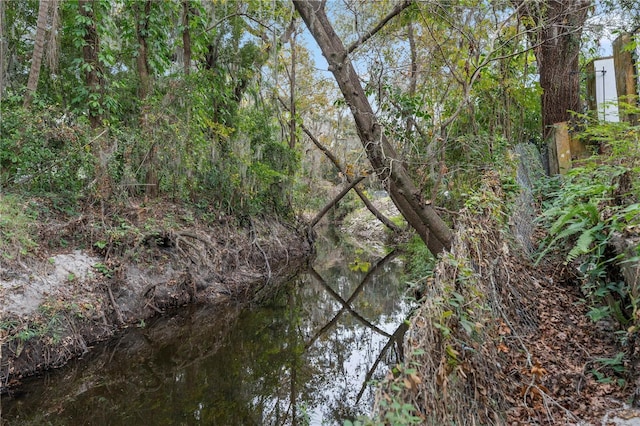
(142, 266)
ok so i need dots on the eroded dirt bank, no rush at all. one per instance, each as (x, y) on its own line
(118, 268)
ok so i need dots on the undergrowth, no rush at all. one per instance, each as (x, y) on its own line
(592, 215)
(393, 408)
(585, 210)
(451, 333)
(17, 225)
(419, 264)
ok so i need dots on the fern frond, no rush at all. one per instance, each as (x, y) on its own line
(583, 245)
(563, 220)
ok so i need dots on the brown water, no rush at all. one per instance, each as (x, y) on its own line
(305, 358)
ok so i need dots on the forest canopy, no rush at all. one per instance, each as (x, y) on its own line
(219, 101)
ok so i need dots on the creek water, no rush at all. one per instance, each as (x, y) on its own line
(304, 358)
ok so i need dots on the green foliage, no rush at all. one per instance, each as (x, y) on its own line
(17, 227)
(76, 25)
(49, 325)
(617, 140)
(472, 100)
(103, 269)
(349, 203)
(586, 208)
(43, 151)
(396, 410)
(610, 370)
(582, 218)
(271, 165)
(358, 265)
(207, 135)
(497, 192)
(419, 263)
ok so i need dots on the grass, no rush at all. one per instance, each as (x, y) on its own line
(17, 226)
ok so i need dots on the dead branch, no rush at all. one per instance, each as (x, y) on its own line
(115, 306)
(396, 338)
(334, 201)
(373, 31)
(372, 273)
(377, 213)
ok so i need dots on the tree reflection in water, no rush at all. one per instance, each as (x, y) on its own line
(306, 357)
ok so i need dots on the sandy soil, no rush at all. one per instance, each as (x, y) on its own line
(58, 301)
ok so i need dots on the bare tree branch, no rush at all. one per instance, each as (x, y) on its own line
(335, 200)
(382, 218)
(368, 34)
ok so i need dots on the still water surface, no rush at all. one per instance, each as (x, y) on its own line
(305, 358)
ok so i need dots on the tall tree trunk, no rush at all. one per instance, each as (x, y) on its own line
(142, 59)
(3, 51)
(555, 29)
(186, 37)
(292, 93)
(38, 51)
(94, 81)
(90, 50)
(53, 38)
(413, 73)
(142, 13)
(388, 167)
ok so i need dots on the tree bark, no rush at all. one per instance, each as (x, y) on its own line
(38, 51)
(413, 74)
(3, 51)
(142, 60)
(292, 94)
(142, 13)
(94, 80)
(92, 74)
(388, 167)
(555, 29)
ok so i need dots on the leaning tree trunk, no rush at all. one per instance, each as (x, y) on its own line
(38, 51)
(388, 167)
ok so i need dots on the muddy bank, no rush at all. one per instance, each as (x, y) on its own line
(117, 270)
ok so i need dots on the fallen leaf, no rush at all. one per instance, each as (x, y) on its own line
(537, 370)
(415, 379)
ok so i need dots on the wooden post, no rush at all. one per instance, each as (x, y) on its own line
(552, 152)
(563, 146)
(578, 149)
(625, 75)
